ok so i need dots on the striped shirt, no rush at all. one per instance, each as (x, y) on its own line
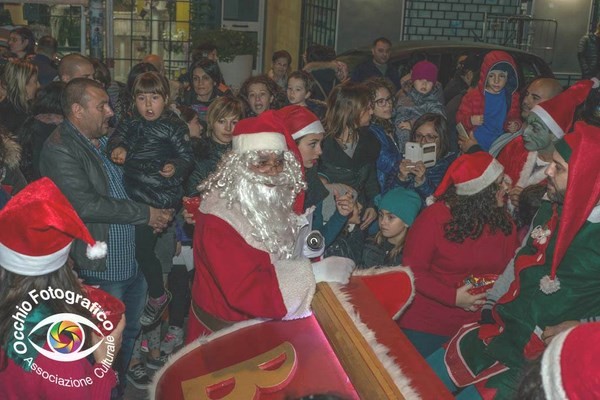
(120, 259)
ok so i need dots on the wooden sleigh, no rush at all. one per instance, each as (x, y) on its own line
(350, 348)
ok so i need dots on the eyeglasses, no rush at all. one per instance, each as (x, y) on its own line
(426, 138)
(268, 165)
(382, 102)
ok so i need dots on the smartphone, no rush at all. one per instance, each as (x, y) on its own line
(426, 153)
(412, 152)
(462, 132)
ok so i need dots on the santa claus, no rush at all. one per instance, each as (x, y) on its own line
(248, 246)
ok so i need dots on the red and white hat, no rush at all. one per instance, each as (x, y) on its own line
(581, 150)
(569, 368)
(559, 111)
(265, 132)
(300, 121)
(38, 227)
(470, 174)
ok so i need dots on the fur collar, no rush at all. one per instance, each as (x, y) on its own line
(10, 151)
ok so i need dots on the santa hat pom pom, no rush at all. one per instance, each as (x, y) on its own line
(596, 84)
(97, 251)
(430, 200)
(549, 285)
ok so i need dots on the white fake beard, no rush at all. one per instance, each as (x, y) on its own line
(266, 201)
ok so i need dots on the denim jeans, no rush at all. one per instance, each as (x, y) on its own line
(132, 292)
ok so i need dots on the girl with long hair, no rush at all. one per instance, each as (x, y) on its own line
(33, 261)
(350, 151)
(466, 236)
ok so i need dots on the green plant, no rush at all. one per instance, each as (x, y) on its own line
(229, 43)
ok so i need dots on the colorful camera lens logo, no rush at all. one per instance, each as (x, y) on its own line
(65, 337)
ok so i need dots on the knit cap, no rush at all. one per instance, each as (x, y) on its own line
(424, 70)
(403, 203)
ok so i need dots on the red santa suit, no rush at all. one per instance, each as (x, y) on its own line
(236, 278)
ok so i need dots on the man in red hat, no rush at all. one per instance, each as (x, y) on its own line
(247, 252)
(556, 277)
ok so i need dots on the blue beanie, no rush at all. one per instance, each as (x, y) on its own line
(403, 203)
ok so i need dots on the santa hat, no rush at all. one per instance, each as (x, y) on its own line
(264, 132)
(569, 368)
(581, 150)
(39, 226)
(558, 112)
(299, 121)
(424, 70)
(470, 174)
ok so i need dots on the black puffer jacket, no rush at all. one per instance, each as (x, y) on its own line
(150, 145)
(207, 154)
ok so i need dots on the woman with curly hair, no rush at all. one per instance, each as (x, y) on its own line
(467, 235)
(261, 93)
(382, 127)
(20, 83)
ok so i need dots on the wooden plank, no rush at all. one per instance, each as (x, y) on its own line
(368, 376)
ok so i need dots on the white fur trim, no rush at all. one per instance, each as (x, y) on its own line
(401, 381)
(385, 270)
(491, 173)
(97, 251)
(548, 120)
(194, 345)
(594, 217)
(22, 264)
(297, 286)
(527, 169)
(429, 200)
(549, 285)
(596, 83)
(314, 127)
(551, 368)
(245, 142)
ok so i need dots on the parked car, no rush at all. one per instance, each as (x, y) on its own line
(445, 53)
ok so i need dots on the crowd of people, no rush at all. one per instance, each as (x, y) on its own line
(490, 197)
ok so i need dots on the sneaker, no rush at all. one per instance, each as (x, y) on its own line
(172, 340)
(152, 313)
(138, 377)
(156, 363)
(144, 346)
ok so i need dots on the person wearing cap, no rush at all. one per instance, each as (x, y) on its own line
(39, 227)
(397, 210)
(466, 233)
(245, 254)
(306, 133)
(492, 107)
(526, 157)
(419, 95)
(554, 278)
(567, 369)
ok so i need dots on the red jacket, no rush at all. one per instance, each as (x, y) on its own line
(440, 265)
(473, 103)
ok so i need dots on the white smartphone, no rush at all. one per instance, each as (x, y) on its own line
(426, 153)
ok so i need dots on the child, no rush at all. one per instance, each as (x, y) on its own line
(300, 86)
(154, 147)
(398, 209)
(492, 107)
(419, 95)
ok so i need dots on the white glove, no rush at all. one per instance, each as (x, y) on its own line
(333, 269)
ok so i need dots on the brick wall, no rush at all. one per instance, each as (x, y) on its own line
(451, 19)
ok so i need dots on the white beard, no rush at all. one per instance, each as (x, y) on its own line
(265, 201)
(269, 212)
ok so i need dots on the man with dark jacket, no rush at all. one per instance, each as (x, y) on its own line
(587, 53)
(45, 59)
(75, 159)
(378, 65)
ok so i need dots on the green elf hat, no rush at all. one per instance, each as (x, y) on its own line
(581, 150)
